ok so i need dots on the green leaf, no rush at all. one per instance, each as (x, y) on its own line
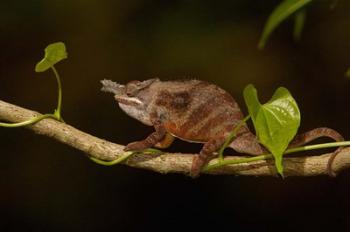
(276, 122)
(54, 53)
(299, 22)
(285, 9)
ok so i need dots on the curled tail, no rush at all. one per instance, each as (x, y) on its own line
(317, 133)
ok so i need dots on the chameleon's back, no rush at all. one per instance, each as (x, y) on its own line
(195, 110)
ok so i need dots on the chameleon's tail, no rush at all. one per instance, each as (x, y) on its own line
(111, 87)
(316, 133)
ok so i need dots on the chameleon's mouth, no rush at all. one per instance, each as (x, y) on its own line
(119, 93)
(134, 108)
(130, 101)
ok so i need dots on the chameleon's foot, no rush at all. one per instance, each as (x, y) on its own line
(197, 164)
(135, 146)
(206, 154)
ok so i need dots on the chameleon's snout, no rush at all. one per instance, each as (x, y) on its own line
(112, 87)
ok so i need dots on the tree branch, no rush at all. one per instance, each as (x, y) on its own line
(167, 162)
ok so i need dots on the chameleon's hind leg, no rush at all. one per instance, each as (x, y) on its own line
(317, 133)
(247, 143)
(205, 155)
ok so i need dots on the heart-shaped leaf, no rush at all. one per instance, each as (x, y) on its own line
(285, 9)
(276, 122)
(54, 53)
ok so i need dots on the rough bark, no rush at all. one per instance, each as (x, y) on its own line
(167, 162)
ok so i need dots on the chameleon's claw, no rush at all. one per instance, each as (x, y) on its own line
(135, 146)
(197, 164)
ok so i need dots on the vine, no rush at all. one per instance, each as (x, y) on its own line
(54, 53)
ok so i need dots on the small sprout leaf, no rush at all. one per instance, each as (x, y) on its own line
(54, 53)
(276, 122)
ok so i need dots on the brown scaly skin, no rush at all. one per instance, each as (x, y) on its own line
(194, 111)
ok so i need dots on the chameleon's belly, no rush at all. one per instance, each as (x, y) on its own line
(180, 133)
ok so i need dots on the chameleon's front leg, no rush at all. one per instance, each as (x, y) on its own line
(150, 141)
(205, 155)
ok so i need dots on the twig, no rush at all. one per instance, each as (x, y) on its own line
(167, 162)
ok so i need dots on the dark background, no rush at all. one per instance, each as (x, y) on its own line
(47, 186)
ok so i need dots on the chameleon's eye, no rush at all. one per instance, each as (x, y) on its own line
(132, 89)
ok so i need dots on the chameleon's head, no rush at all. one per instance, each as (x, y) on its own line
(133, 98)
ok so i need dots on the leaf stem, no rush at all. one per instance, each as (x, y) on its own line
(56, 115)
(231, 136)
(59, 98)
(269, 156)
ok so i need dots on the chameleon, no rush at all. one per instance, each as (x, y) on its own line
(195, 111)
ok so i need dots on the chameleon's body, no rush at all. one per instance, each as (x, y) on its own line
(194, 111)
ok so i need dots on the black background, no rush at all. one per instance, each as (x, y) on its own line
(47, 186)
